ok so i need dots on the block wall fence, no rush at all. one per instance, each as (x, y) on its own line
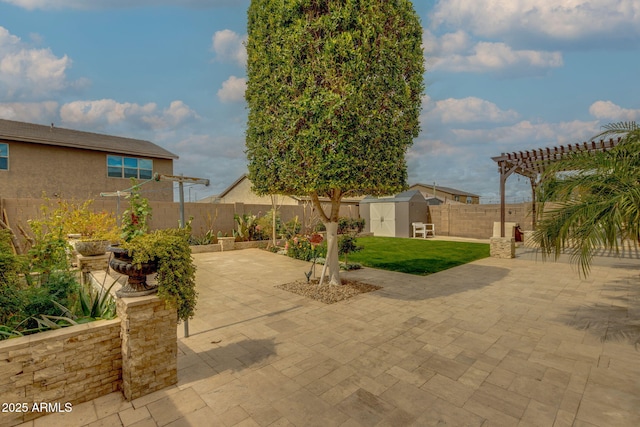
(460, 220)
(476, 221)
(206, 216)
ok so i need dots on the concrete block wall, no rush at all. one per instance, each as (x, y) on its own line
(476, 221)
(70, 365)
(206, 216)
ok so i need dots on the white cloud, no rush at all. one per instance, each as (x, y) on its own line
(529, 135)
(33, 112)
(229, 47)
(233, 89)
(26, 72)
(569, 20)
(607, 110)
(488, 57)
(467, 110)
(107, 112)
(177, 114)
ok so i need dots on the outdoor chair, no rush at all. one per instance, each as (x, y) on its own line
(423, 229)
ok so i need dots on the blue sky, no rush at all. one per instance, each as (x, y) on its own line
(501, 76)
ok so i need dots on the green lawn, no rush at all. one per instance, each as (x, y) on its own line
(416, 256)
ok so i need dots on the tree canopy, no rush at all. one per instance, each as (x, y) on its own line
(334, 93)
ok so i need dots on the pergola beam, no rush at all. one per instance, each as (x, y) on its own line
(532, 163)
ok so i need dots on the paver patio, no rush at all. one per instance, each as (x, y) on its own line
(494, 342)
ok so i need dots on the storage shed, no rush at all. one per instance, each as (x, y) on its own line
(392, 216)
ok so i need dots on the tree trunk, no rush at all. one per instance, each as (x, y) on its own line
(332, 262)
(330, 222)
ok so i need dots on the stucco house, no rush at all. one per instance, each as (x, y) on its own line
(445, 194)
(240, 192)
(37, 159)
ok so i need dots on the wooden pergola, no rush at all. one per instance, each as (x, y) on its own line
(531, 164)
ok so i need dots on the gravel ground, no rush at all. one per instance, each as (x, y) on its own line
(328, 294)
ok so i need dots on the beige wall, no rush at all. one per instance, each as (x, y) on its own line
(206, 216)
(450, 220)
(69, 173)
(476, 221)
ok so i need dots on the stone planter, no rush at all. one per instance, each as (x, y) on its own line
(227, 243)
(137, 276)
(91, 248)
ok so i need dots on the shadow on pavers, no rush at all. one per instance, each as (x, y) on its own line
(616, 319)
(444, 283)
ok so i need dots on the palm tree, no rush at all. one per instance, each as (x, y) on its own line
(592, 199)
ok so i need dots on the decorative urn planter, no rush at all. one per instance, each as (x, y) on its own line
(136, 285)
(92, 247)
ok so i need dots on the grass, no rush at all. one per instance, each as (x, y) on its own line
(416, 256)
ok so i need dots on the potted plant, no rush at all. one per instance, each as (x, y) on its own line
(169, 251)
(92, 231)
(134, 224)
(88, 231)
(164, 252)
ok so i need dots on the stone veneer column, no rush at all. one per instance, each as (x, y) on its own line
(149, 345)
(503, 247)
(227, 243)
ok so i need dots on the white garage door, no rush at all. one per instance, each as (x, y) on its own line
(383, 219)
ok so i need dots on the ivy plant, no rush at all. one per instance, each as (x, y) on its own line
(176, 271)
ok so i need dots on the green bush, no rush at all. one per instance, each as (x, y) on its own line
(346, 245)
(11, 265)
(299, 247)
(345, 225)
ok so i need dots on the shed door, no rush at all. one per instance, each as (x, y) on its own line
(383, 219)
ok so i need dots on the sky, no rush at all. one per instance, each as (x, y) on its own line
(501, 76)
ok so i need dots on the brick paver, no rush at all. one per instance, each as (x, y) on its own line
(494, 342)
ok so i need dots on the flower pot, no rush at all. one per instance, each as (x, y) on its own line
(136, 285)
(91, 248)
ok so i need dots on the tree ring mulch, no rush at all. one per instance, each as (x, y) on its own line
(326, 293)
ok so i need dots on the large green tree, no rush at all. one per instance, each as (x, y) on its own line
(334, 94)
(591, 200)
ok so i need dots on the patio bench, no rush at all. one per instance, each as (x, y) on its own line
(423, 229)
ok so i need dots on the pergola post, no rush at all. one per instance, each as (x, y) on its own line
(504, 174)
(533, 201)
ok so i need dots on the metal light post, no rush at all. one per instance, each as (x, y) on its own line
(180, 179)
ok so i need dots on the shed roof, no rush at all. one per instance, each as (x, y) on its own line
(405, 196)
(445, 189)
(51, 135)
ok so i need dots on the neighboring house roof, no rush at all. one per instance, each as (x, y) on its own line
(232, 186)
(299, 199)
(218, 198)
(445, 189)
(51, 135)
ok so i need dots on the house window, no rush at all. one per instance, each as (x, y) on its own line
(129, 167)
(469, 200)
(4, 157)
(456, 198)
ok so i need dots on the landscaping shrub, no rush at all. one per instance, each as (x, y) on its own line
(11, 266)
(300, 247)
(346, 225)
